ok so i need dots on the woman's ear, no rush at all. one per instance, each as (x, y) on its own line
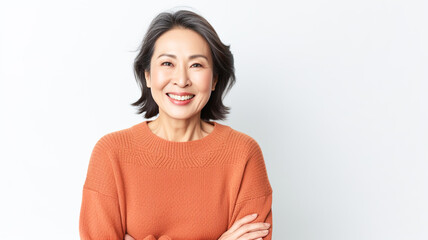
(147, 76)
(214, 82)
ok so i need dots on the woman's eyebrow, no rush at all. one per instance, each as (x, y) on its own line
(190, 57)
(198, 56)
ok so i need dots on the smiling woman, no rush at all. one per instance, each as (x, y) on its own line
(181, 60)
(182, 175)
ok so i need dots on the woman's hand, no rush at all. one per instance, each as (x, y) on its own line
(240, 230)
(243, 230)
(150, 237)
(128, 237)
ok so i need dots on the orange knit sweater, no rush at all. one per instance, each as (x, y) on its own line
(151, 188)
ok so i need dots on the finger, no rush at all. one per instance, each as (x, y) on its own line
(254, 229)
(128, 237)
(254, 235)
(241, 222)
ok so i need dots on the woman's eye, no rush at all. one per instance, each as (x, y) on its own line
(196, 65)
(167, 64)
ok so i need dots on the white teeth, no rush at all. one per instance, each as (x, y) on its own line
(181, 98)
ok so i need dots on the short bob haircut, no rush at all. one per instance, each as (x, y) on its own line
(223, 66)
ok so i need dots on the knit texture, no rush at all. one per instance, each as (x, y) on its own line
(151, 188)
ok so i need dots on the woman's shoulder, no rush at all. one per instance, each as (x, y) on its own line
(241, 136)
(117, 139)
(242, 141)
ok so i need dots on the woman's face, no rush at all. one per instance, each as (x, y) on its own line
(181, 64)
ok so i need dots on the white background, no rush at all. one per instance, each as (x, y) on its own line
(335, 92)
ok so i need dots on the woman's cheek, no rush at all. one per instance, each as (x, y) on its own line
(204, 81)
(160, 77)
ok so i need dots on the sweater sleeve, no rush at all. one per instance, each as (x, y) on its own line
(100, 213)
(255, 193)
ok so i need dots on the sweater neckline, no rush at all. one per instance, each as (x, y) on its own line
(154, 144)
(165, 141)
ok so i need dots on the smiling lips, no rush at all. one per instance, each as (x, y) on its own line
(180, 98)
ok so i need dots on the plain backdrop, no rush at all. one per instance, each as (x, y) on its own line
(335, 93)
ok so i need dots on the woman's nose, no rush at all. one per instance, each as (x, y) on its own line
(181, 77)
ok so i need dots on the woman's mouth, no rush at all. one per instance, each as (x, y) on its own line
(180, 100)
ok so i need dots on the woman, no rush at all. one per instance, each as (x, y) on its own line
(180, 176)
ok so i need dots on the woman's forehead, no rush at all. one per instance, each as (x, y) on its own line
(181, 42)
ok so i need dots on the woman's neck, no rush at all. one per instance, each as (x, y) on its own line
(180, 130)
